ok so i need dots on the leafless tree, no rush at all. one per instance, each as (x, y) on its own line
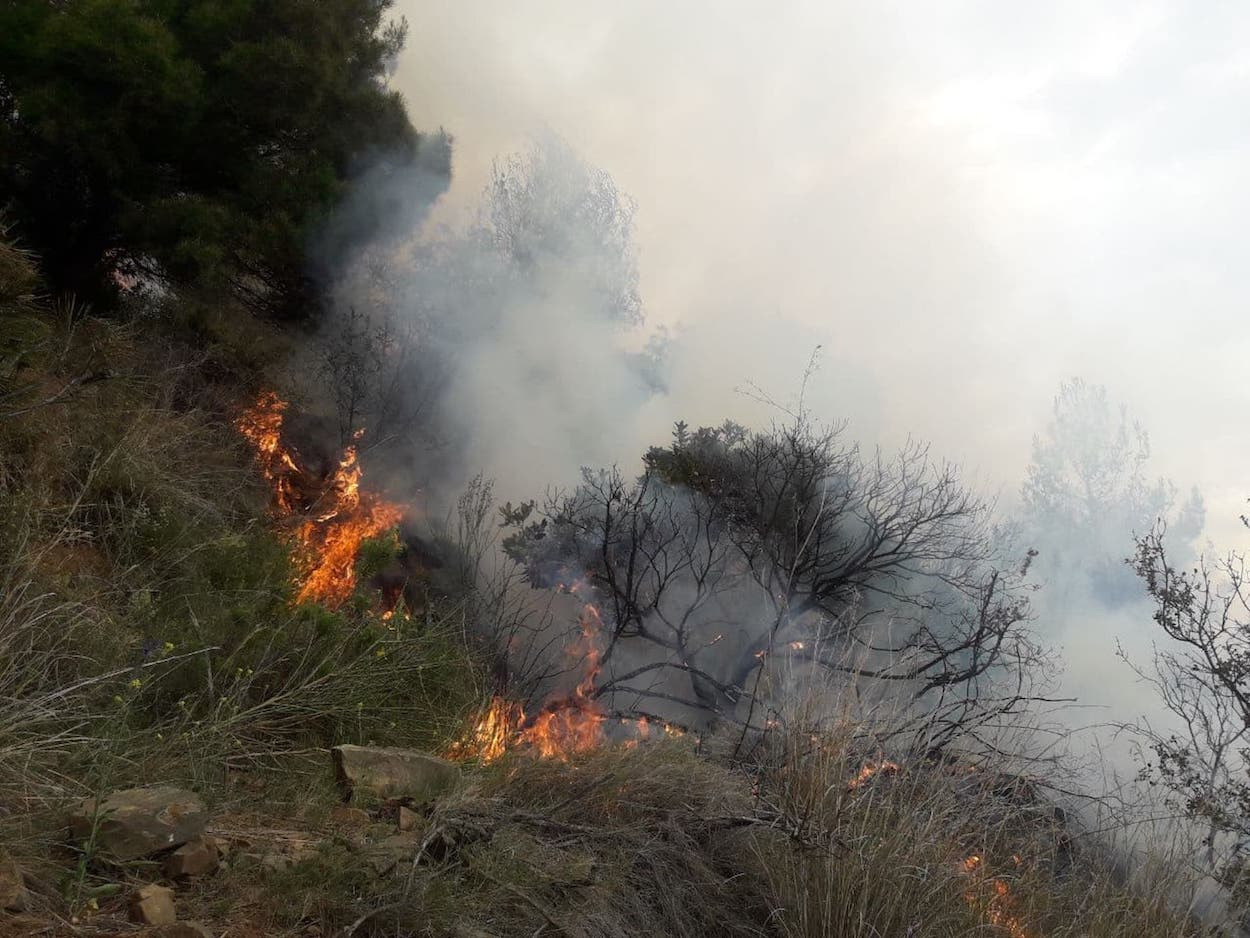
(733, 548)
(1201, 673)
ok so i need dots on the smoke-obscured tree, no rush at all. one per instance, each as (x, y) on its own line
(531, 295)
(547, 206)
(187, 140)
(736, 549)
(1087, 494)
(1201, 673)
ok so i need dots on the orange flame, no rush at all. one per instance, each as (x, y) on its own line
(565, 725)
(334, 522)
(995, 903)
(871, 770)
(493, 732)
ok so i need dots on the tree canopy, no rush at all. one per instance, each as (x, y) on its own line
(1088, 494)
(188, 140)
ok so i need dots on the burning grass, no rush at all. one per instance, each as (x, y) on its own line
(935, 848)
(566, 724)
(146, 620)
(147, 632)
(330, 519)
(661, 840)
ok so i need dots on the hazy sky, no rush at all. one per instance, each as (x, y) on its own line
(964, 202)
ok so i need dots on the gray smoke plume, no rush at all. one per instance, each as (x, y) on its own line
(963, 205)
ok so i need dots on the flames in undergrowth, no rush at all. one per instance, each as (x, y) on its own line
(331, 517)
(987, 893)
(870, 770)
(566, 724)
(992, 895)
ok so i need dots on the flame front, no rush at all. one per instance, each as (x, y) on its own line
(334, 522)
(871, 770)
(993, 897)
(565, 725)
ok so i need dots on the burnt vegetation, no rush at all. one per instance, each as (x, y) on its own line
(764, 682)
(734, 547)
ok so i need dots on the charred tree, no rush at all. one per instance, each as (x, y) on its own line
(735, 547)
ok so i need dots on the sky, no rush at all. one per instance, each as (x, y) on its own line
(963, 203)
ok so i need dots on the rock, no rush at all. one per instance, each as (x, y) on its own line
(388, 853)
(12, 888)
(408, 819)
(181, 930)
(393, 773)
(349, 816)
(153, 905)
(139, 822)
(194, 858)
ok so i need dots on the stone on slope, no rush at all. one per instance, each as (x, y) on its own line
(12, 887)
(393, 773)
(347, 816)
(408, 819)
(388, 853)
(196, 857)
(138, 822)
(153, 905)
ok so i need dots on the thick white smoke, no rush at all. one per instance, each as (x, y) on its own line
(965, 203)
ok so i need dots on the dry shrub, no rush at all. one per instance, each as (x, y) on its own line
(646, 841)
(937, 846)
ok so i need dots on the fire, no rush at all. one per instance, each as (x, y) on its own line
(573, 723)
(565, 725)
(996, 901)
(335, 516)
(490, 737)
(261, 425)
(871, 770)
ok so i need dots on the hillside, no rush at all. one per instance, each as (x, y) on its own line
(159, 629)
(361, 573)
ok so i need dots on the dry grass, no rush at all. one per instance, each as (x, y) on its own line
(147, 632)
(937, 847)
(146, 623)
(662, 840)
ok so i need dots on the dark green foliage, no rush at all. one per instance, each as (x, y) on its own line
(190, 140)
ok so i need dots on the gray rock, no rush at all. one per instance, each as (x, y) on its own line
(408, 820)
(139, 822)
(347, 816)
(393, 773)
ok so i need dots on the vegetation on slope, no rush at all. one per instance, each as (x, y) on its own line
(149, 635)
(150, 622)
